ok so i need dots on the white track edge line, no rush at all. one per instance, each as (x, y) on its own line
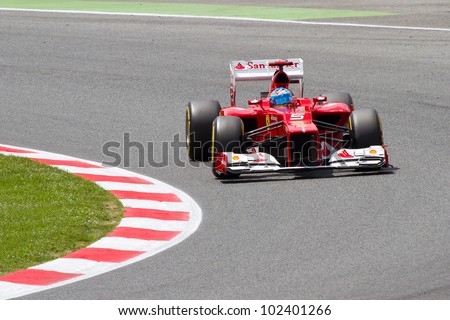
(312, 23)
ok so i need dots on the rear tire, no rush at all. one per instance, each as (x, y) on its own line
(227, 136)
(199, 118)
(365, 129)
(342, 97)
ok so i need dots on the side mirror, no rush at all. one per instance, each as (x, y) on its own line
(252, 102)
(319, 100)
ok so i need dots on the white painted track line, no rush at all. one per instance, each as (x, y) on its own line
(311, 23)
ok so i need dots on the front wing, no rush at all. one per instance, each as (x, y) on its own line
(374, 157)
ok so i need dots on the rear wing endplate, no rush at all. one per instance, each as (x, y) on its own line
(255, 70)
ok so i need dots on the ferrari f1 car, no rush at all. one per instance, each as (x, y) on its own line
(323, 133)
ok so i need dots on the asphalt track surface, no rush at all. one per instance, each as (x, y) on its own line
(71, 83)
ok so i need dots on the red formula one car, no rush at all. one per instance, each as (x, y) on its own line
(282, 131)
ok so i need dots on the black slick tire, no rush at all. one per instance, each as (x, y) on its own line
(199, 118)
(227, 133)
(342, 97)
(365, 129)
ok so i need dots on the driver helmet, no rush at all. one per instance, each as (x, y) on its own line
(280, 97)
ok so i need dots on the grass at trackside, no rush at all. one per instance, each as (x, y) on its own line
(46, 213)
(196, 9)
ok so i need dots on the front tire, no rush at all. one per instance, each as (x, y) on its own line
(227, 133)
(365, 129)
(199, 117)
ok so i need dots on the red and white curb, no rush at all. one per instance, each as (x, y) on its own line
(157, 216)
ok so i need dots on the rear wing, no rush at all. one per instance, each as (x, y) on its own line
(255, 70)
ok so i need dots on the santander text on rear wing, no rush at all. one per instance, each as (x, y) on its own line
(255, 70)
